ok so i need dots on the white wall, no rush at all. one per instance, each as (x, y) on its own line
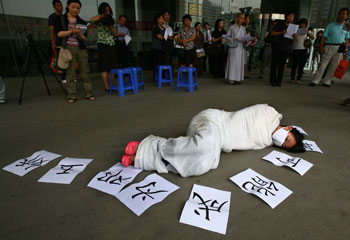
(43, 8)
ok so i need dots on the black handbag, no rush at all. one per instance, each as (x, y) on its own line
(342, 48)
(213, 49)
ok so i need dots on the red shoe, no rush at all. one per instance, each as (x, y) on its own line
(126, 160)
(130, 149)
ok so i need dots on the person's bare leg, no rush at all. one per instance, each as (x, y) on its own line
(105, 79)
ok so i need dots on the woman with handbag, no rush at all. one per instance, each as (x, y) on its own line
(185, 38)
(107, 55)
(235, 59)
(299, 55)
(218, 49)
(198, 45)
(71, 36)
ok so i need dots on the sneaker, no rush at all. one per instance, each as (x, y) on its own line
(312, 84)
(3, 101)
(64, 81)
(326, 85)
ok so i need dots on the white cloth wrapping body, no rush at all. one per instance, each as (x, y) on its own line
(210, 132)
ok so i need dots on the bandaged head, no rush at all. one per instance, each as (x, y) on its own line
(279, 137)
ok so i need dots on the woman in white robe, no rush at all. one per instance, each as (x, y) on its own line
(235, 59)
(210, 132)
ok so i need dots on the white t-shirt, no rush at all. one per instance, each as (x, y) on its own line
(299, 42)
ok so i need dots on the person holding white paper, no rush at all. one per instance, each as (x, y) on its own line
(280, 50)
(299, 55)
(68, 34)
(210, 132)
(169, 39)
(122, 48)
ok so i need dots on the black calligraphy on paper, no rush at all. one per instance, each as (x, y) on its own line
(308, 146)
(67, 168)
(113, 178)
(290, 161)
(208, 205)
(261, 186)
(34, 162)
(148, 192)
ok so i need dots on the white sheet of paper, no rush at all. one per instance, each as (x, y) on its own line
(178, 46)
(168, 32)
(200, 50)
(292, 28)
(127, 39)
(140, 196)
(271, 192)
(247, 37)
(281, 159)
(24, 166)
(207, 208)
(83, 28)
(311, 146)
(114, 179)
(300, 130)
(65, 171)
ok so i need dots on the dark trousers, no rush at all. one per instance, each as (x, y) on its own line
(158, 59)
(299, 58)
(122, 54)
(205, 57)
(219, 63)
(278, 63)
(198, 63)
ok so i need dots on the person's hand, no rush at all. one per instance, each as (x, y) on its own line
(184, 43)
(75, 30)
(283, 32)
(122, 34)
(295, 35)
(321, 50)
(101, 16)
(346, 52)
(223, 42)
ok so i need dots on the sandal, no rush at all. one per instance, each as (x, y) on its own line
(71, 100)
(91, 98)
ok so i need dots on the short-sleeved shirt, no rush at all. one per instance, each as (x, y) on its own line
(187, 34)
(299, 42)
(156, 42)
(284, 44)
(122, 29)
(335, 34)
(52, 23)
(218, 34)
(72, 39)
(104, 35)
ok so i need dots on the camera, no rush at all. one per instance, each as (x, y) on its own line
(107, 20)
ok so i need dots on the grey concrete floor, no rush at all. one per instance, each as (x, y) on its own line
(319, 207)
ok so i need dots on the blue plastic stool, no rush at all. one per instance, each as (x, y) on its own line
(191, 81)
(168, 76)
(122, 87)
(135, 71)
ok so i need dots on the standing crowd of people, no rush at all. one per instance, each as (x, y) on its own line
(227, 53)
